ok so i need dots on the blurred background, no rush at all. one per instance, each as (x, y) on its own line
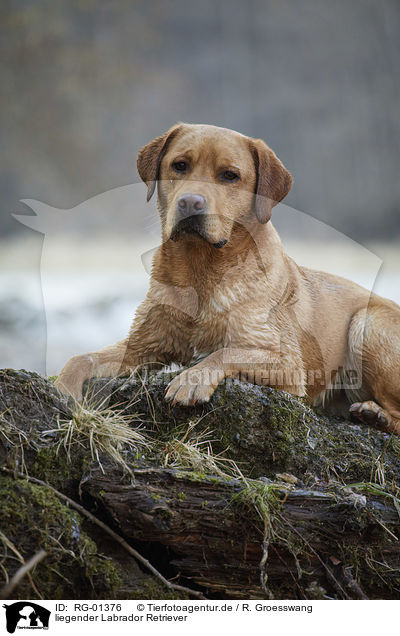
(85, 84)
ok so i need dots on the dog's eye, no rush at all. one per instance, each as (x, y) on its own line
(229, 175)
(180, 166)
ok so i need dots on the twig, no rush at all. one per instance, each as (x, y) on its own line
(9, 544)
(134, 553)
(7, 590)
(263, 562)
(385, 528)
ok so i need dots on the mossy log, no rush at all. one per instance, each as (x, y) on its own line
(265, 431)
(317, 504)
(321, 542)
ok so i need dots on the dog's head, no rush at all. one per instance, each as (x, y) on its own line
(210, 180)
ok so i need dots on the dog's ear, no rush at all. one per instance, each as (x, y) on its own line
(150, 157)
(273, 181)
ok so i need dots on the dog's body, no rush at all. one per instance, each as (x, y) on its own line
(223, 290)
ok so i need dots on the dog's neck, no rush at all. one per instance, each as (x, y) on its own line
(192, 262)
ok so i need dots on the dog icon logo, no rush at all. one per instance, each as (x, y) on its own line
(26, 615)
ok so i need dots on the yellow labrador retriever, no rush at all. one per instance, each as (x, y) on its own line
(224, 293)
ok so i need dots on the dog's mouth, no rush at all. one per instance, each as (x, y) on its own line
(193, 226)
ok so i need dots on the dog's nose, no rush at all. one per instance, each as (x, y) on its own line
(190, 204)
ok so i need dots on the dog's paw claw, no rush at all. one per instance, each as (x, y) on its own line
(182, 389)
(369, 413)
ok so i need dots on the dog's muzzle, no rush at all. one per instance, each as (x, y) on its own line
(195, 226)
(189, 225)
(191, 218)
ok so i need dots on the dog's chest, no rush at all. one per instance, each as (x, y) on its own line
(231, 318)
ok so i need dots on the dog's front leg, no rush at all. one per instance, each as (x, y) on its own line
(110, 361)
(265, 367)
(154, 339)
(119, 359)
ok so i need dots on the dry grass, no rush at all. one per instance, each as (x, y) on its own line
(192, 450)
(105, 431)
(110, 432)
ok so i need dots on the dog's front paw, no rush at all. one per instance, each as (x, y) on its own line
(74, 374)
(370, 413)
(190, 387)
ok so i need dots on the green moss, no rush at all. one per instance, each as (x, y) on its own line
(193, 475)
(34, 518)
(52, 465)
(264, 499)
